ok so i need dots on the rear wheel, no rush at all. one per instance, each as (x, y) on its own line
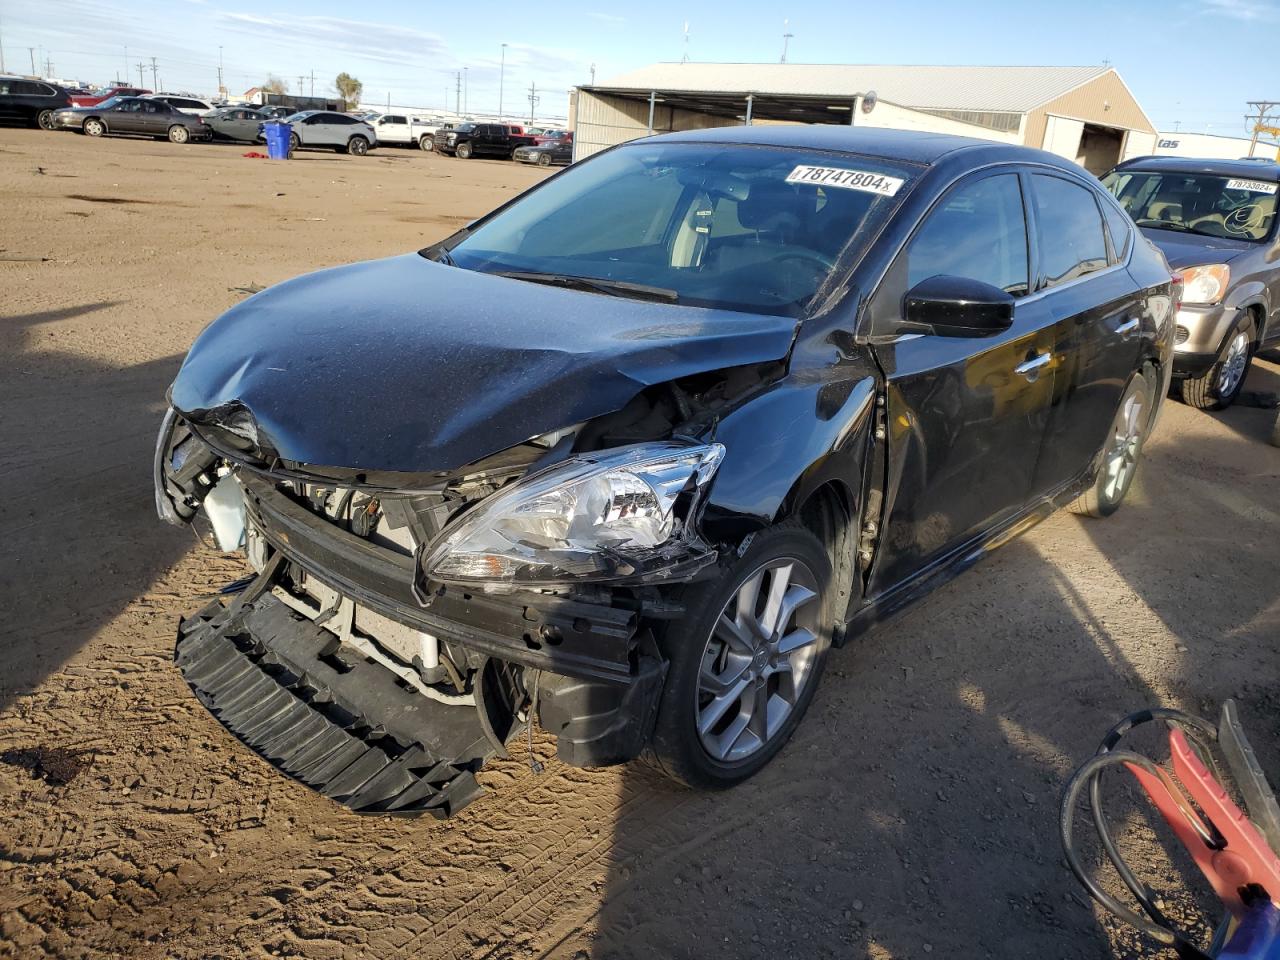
(44, 119)
(745, 660)
(463, 152)
(93, 127)
(426, 144)
(179, 134)
(1219, 387)
(1124, 447)
(357, 146)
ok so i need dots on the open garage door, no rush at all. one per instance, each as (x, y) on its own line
(1062, 136)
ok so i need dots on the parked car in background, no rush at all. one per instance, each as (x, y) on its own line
(466, 140)
(324, 129)
(553, 136)
(31, 101)
(405, 130)
(133, 115)
(243, 124)
(1216, 222)
(101, 96)
(557, 153)
(191, 105)
(773, 383)
(276, 111)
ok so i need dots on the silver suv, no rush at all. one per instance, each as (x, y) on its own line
(322, 128)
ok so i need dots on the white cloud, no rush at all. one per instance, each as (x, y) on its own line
(605, 17)
(1247, 10)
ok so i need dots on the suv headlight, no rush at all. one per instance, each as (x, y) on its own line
(1206, 284)
(599, 516)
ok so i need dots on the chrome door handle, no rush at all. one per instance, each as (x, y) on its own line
(1128, 327)
(1031, 368)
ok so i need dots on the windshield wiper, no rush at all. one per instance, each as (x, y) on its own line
(1165, 225)
(614, 288)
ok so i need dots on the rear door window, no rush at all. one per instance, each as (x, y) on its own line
(1120, 229)
(1072, 243)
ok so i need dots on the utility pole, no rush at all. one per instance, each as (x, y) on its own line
(466, 95)
(313, 83)
(502, 72)
(2, 68)
(457, 94)
(141, 82)
(300, 86)
(155, 77)
(533, 101)
(222, 91)
(1262, 118)
(786, 39)
(32, 51)
(593, 74)
(48, 66)
(126, 65)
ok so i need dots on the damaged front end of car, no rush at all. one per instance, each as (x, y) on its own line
(401, 627)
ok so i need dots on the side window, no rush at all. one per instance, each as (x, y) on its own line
(1118, 225)
(1070, 229)
(977, 231)
(151, 106)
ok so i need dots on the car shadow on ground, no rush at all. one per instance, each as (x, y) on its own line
(916, 809)
(81, 538)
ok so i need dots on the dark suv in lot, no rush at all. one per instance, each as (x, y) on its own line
(31, 101)
(1216, 222)
(626, 456)
(468, 140)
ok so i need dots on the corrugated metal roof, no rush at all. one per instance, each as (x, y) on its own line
(1004, 89)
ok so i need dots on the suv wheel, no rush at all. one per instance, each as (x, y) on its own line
(463, 152)
(93, 127)
(179, 134)
(44, 119)
(1124, 447)
(744, 660)
(1220, 386)
(357, 146)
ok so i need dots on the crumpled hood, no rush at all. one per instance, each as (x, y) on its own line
(1192, 250)
(408, 365)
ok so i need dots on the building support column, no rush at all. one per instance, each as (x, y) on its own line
(653, 99)
(750, 104)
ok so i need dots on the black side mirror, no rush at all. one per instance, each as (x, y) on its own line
(947, 306)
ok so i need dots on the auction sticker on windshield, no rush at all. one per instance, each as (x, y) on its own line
(848, 179)
(1253, 186)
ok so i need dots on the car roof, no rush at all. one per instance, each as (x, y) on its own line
(913, 146)
(1247, 169)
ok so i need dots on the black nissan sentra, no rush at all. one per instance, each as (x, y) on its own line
(628, 455)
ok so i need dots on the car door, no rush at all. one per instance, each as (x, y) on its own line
(156, 116)
(126, 118)
(965, 416)
(317, 131)
(1097, 309)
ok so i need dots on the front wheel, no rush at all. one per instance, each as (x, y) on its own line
(294, 142)
(357, 146)
(1218, 388)
(179, 134)
(93, 127)
(544, 159)
(44, 119)
(745, 660)
(1124, 447)
(463, 152)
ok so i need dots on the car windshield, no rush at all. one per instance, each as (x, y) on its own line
(113, 102)
(748, 228)
(298, 116)
(1210, 205)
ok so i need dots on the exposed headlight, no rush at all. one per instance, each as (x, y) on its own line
(1206, 284)
(596, 517)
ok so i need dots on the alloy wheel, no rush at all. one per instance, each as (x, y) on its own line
(758, 660)
(1233, 365)
(45, 119)
(1126, 444)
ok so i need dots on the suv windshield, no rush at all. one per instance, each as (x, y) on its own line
(746, 228)
(1213, 206)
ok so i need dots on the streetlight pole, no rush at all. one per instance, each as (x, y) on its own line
(502, 72)
(466, 102)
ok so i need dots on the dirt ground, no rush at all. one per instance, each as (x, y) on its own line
(914, 813)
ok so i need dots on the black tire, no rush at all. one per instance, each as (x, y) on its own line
(463, 151)
(1108, 489)
(426, 144)
(93, 127)
(295, 142)
(357, 146)
(544, 159)
(44, 119)
(179, 134)
(677, 748)
(1275, 431)
(1218, 388)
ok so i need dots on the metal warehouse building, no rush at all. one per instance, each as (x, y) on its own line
(1086, 114)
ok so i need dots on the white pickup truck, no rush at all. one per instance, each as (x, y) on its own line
(405, 130)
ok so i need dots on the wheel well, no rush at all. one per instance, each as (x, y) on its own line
(1259, 317)
(829, 513)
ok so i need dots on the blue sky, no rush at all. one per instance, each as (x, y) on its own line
(1193, 62)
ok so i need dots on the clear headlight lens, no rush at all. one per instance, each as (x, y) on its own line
(593, 517)
(1206, 284)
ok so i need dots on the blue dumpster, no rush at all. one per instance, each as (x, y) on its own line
(277, 135)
